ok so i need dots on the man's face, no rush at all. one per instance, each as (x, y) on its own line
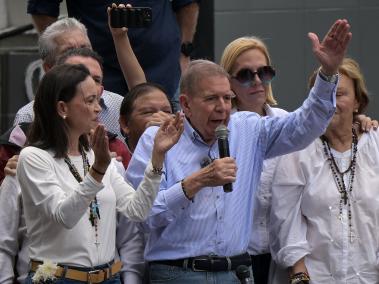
(71, 39)
(93, 67)
(209, 107)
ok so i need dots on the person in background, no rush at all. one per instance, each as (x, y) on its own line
(163, 49)
(325, 198)
(59, 172)
(10, 144)
(218, 224)
(66, 34)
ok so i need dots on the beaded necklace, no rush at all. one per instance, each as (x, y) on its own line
(344, 191)
(94, 211)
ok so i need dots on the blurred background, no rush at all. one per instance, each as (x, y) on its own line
(283, 25)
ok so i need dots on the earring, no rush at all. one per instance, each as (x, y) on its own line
(64, 116)
(356, 110)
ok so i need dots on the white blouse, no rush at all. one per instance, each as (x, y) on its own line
(306, 220)
(57, 207)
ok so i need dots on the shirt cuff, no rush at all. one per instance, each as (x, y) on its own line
(90, 187)
(175, 198)
(325, 90)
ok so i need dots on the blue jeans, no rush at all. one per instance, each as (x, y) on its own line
(160, 273)
(114, 280)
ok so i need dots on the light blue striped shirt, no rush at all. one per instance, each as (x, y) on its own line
(217, 222)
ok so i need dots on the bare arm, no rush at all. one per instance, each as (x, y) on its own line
(187, 20)
(41, 22)
(129, 64)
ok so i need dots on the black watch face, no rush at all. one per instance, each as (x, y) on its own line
(187, 48)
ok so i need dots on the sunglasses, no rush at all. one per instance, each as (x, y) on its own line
(246, 77)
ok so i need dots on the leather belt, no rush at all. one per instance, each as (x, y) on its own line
(209, 263)
(92, 276)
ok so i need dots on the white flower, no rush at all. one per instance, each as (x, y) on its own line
(45, 272)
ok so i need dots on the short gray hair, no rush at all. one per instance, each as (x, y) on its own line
(197, 70)
(46, 43)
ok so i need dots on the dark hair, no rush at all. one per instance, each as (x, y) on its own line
(140, 90)
(80, 51)
(49, 130)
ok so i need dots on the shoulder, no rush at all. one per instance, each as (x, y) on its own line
(109, 96)
(33, 154)
(275, 111)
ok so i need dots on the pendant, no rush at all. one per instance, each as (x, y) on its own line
(344, 197)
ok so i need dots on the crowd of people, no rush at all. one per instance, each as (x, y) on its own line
(100, 187)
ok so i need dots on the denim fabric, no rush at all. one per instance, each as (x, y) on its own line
(160, 273)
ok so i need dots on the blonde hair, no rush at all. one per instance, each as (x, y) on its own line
(238, 46)
(351, 69)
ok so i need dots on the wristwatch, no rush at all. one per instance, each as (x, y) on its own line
(328, 78)
(187, 48)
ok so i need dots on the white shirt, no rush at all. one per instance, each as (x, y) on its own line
(56, 207)
(259, 241)
(305, 219)
(13, 241)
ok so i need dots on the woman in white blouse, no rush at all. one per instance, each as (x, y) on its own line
(71, 191)
(325, 204)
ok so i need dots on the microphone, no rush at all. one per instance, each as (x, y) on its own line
(223, 148)
(243, 274)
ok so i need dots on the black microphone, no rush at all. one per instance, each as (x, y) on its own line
(223, 148)
(243, 274)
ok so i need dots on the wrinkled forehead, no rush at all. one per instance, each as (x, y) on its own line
(217, 84)
(72, 39)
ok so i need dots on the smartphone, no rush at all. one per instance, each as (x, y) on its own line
(134, 17)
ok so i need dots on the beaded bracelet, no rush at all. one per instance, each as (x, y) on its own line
(184, 191)
(157, 171)
(300, 278)
(97, 171)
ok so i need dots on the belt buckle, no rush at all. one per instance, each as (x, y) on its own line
(92, 273)
(194, 269)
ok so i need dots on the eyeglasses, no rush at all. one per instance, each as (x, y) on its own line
(246, 77)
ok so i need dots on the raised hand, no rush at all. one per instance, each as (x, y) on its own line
(331, 51)
(116, 31)
(168, 134)
(166, 137)
(100, 146)
(158, 118)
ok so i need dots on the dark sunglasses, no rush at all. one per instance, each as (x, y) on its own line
(246, 77)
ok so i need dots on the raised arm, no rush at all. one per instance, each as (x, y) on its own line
(187, 20)
(44, 13)
(129, 64)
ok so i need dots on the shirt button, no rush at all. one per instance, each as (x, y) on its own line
(218, 196)
(330, 207)
(220, 218)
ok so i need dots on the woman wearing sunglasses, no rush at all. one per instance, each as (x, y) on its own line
(248, 62)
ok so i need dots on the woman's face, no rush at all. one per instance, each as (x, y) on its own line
(82, 111)
(346, 101)
(251, 97)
